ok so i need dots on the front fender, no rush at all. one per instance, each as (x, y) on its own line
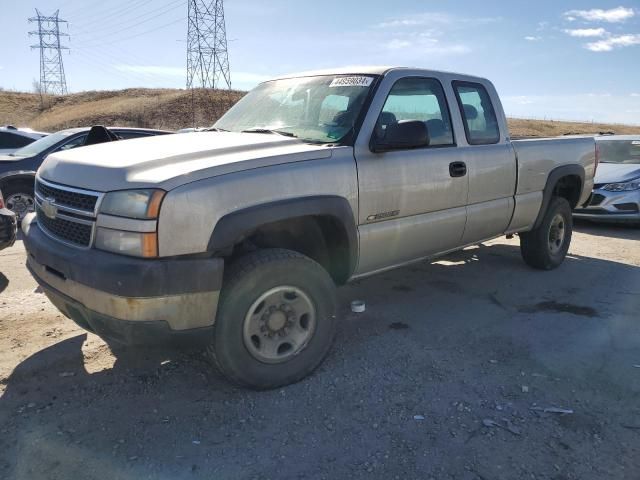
(241, 223)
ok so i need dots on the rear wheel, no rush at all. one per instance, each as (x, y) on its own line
(19, 198)
(275, 321)
(546, 246)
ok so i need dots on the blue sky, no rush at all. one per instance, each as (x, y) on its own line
(576, 60)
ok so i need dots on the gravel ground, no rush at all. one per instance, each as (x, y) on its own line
(445, 376)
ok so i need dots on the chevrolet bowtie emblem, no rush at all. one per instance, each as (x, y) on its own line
(49, 207)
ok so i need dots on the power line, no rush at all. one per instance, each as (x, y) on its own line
(207, 56)
(107, 30)
(115, 18)
(52, 77)
(123, 39)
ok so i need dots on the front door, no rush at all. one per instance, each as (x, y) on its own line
(412, 202)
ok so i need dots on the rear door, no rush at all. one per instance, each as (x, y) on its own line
(490, 161)
(411, 205)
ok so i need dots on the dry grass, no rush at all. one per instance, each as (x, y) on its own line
(550, 128)
(150, 108)
(171, 109)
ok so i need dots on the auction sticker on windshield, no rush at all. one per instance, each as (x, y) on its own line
(351, 82)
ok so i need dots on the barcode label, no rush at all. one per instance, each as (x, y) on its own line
(351, 82)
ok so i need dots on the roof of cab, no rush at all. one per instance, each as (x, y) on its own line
(373, 70)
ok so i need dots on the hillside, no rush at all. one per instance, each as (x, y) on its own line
(171, 109)
(150, 108)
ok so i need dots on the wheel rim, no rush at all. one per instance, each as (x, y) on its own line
(279, 324)
(557, 232)
(20, 204)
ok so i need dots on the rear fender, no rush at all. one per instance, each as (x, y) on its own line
(552, 181)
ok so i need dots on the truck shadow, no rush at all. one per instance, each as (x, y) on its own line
(168, 414)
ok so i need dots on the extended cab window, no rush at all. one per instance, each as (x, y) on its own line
(480, 122)
(420, 99)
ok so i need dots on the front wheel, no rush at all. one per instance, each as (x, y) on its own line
(276, 319)
(546, 246)
(19, 198)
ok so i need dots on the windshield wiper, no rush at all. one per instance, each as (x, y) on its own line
(268, 130)
(214, 129)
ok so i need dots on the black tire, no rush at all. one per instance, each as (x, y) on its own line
(245, 281)
(535, 245)
(18, 188)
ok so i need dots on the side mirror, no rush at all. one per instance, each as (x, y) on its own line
(403, 135)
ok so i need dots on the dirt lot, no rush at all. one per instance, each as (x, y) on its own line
(437, 379)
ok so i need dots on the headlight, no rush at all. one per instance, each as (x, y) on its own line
(140, 208)
(623, 186)
(127, 243)
(143, 204)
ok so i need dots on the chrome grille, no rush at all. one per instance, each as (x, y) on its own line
(67, 214)
(67, 197)
(75, 233)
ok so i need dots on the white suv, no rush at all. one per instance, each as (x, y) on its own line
(12, 138)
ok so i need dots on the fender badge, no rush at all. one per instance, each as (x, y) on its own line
(383, 215)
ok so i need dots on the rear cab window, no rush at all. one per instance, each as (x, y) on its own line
(478, 114)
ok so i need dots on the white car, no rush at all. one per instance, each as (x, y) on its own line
(616, 193)
(12, 138)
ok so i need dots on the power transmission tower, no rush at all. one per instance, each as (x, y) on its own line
(52, 78)
(207, 57)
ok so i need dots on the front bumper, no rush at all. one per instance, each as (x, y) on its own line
(7, 228)
(125, 299)
(605, 206)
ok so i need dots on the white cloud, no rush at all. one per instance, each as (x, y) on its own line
(542, 26)
(635, 94)
(614, 15)
(587, 32)
(613, 42)
(402, 22)
(396, 44)
(433, 18)
(531, 38)
(427, 33)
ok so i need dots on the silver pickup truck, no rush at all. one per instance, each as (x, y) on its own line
(237, 237)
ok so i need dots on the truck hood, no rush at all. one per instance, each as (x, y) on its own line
(616, 172)
(168, 161)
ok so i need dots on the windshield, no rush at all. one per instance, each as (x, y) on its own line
(320, 109)
(619, 151)
(42, 144)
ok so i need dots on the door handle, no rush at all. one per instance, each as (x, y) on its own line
(457, 169)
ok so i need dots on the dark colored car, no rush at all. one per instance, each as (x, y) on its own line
(18, 169)
(12, 138)
(7, 226)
